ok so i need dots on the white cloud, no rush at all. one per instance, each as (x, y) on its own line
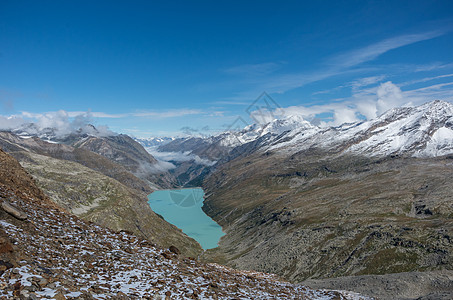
(367, 108)
(147, 114)
(61, 121)
(388, 96)
(155, 168)
(432, 67)
(10, 122)
(426, 79)
(167, 114)
(368, 102)
(366, 81)
(178, 156)
(344, 115)
(349, 62)
(371, 52)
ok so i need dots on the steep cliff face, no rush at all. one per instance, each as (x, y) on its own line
(96, 189)
(16, 185)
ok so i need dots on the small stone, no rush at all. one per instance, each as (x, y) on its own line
(24, 293)
(214, 285)
(31, 288)
(53, 285)
(32, 296)
(121, 295)
(59, 296)
(43, 282)
(174, 250)
(5, 246)
(14, 211)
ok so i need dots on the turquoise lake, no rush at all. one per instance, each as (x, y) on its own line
(182, 208)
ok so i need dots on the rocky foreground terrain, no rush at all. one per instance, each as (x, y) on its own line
(46, 252)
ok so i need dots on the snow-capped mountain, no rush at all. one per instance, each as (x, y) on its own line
(57, 133)
(255, 131)
(426, 130)
(154, 141)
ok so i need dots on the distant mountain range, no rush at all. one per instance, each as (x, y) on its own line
(154, 141)
(426, 130)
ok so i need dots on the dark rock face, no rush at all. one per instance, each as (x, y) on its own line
(174, 250)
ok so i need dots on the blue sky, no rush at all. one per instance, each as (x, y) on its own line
(151, 68)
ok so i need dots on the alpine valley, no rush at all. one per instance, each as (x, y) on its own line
(365, 207)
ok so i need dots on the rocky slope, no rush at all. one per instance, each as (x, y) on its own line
(333, 218)
(52, 254)
(96, 189)
(436, 285)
